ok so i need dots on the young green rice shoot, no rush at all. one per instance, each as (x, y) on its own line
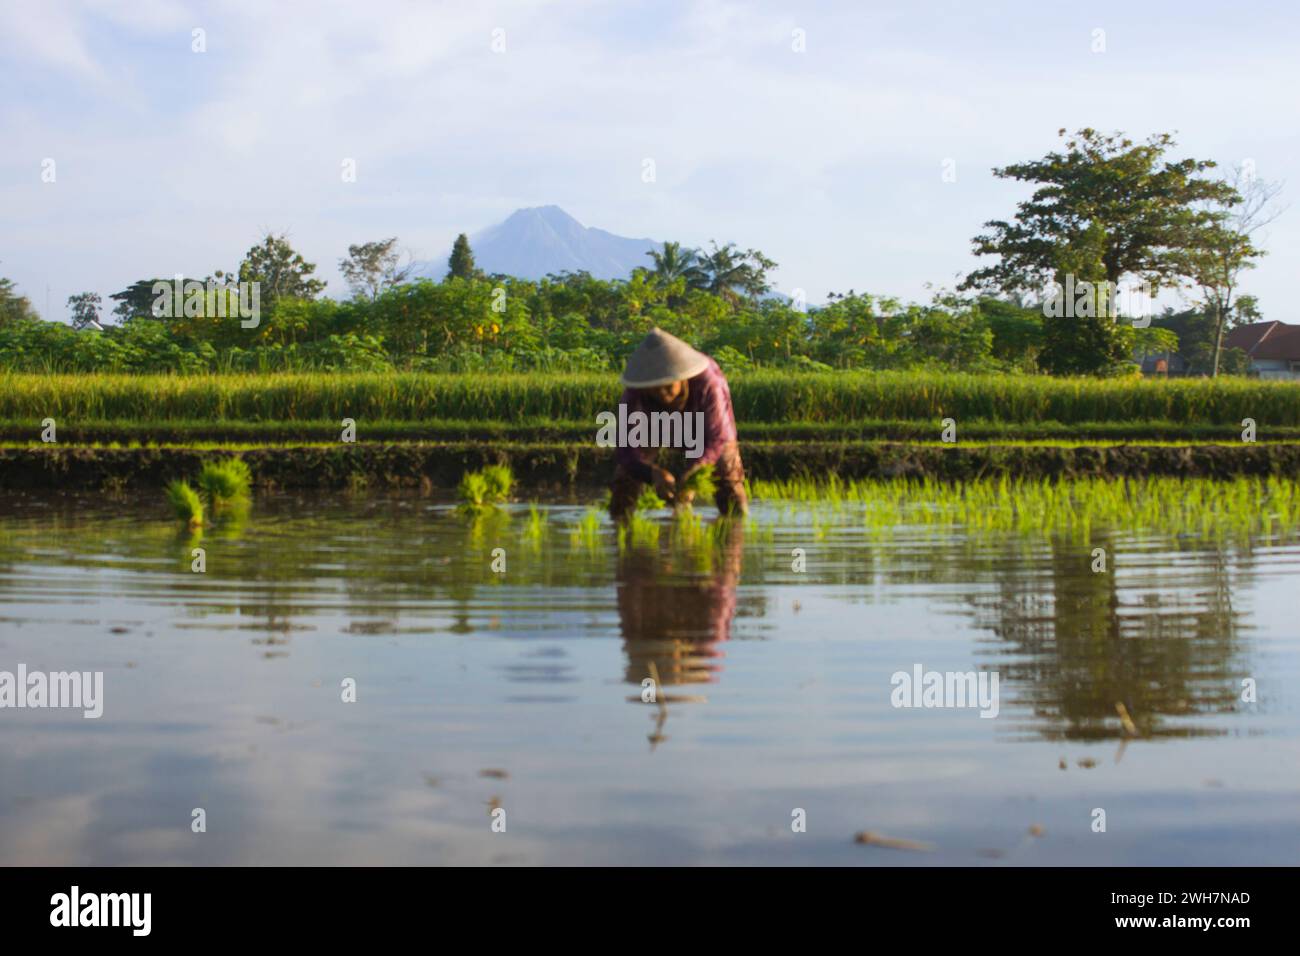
(225, 482)
(474, 493)
(586, 533)
(187, 503)
(699, 483)
(535, 527)
(1240, 506)
(500, 479)
(638, 532)
(649, 500)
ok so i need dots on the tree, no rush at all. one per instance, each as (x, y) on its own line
(282, 272)
(372, 267)
(461, 262)
(732, 274)
(85, 310)
(1017, 332)
(13, 307)
(1143, 209)
(137, 299)
(1088, 340)
(672, 263)
(1219, 256)
(1106, 209)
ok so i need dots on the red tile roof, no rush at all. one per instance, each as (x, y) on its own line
(1266, 340)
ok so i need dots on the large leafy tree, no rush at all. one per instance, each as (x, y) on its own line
(1090, 341)
(372, 267)
(282, 272)
(1103, 210)
(1142, 210)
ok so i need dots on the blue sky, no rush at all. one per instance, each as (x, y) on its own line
(829, 160)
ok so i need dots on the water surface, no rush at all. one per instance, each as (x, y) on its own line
(522, 690)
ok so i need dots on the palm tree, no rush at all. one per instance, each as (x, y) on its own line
(726, 270)
(674, 262)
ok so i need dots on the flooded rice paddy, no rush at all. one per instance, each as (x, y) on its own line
(1161, 689)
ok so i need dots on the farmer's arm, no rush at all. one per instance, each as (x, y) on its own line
(633, 460)
(719, 419)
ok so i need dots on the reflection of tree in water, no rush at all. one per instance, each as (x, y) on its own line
(1075, 649)
(673, 617)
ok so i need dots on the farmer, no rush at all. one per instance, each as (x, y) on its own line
(665, 374)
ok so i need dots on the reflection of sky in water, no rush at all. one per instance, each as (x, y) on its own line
(222, 692)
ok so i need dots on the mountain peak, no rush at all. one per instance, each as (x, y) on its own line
(540, 240)
(553, 213)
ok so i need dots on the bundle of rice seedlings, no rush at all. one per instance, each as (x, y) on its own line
(500, 479)
(225, 482)
(474, 492)
(698, 484)
(649, 500)
(186, 501)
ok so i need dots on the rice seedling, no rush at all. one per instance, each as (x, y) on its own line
(688, 528)
(223, 486)
(649, 500)
(698, 484)
(187, 503)
(225, 482)
(500, 479)
(586, 533)
(481, 491)
(534, 532)
(757, 532)
(638, 532)
(474, 493)
(1242, 506)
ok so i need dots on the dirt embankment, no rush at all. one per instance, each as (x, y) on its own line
(555, 466)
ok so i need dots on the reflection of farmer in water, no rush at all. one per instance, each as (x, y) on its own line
(665, 374)
(675, 618)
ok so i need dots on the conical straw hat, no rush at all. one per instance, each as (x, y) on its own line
(662, 358)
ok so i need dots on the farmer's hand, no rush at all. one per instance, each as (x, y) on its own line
(687, 497)
(665, 484)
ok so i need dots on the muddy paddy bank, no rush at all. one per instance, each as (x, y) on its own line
(559, 466)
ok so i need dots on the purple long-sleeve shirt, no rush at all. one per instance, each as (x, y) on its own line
(708, 393)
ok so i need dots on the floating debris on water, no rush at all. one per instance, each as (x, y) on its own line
(1125, 719)
(870, 838)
